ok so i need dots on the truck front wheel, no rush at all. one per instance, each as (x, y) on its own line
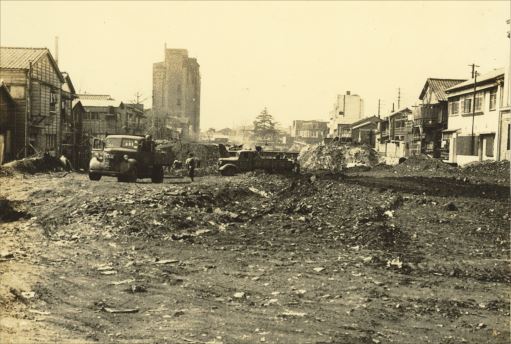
(94, 176)
(229, 171)
(157, 176)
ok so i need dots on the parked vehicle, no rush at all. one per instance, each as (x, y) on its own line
(127, 157)
(247, 160)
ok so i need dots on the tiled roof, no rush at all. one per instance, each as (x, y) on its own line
(438, 86)
(20, 58)
(95, 96)
(366, 120)
(402, 110)
(480, 79)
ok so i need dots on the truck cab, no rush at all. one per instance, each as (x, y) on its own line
(126, 157)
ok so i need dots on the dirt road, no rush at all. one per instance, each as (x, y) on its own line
(254, 258)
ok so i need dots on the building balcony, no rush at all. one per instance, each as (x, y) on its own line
(427, 115)
(400, 131)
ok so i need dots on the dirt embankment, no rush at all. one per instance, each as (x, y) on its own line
(324, 258)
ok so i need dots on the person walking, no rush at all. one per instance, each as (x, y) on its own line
(190, 165)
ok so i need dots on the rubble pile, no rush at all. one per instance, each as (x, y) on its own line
(422, 162)
(497, 169)
(208, 154)
(5, 172)
(336, 157)
(34, 165)
(10, 210)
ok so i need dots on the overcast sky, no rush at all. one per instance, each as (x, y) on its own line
(292, 57)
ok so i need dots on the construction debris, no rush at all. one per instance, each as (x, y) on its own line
(336, 157)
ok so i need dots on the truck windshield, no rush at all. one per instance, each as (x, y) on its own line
(121, 142)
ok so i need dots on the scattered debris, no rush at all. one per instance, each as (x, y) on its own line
(114, 310)
(239, 295)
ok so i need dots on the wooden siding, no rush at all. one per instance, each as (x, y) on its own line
(13, 77)
(44, 71)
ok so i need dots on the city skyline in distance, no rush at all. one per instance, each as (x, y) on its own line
(292, 57)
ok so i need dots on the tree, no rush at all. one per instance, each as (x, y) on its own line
(210, 132)
(264, 127)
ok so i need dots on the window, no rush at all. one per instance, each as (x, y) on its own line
(51, 141)
(508, 147)
(53, 100)
(467, 105)
(178, 101)
(479, 101)
(116, 142)
(455, 106)
(493, 99)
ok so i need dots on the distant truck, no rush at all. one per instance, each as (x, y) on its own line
(248, 160)
(127, 157)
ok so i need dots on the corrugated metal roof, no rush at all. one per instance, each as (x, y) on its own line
(480, 79)
(438, 86)
(100, 102)
(20, 58)
(95, 96)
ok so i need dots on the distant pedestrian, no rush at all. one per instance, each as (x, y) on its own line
(190, 165)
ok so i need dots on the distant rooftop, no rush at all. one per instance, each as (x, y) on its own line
(438, 86)
(480, 79)
(95, 96)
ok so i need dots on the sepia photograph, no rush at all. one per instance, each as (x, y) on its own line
(224, 172)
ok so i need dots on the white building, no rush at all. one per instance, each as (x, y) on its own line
(348, 109)
(481, 133)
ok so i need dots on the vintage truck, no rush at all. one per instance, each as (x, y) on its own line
(127, 157)
(248, 160)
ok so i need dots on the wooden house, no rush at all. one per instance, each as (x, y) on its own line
(7, 128)
(35, 84)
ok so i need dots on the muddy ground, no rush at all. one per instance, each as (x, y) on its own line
(370, 257)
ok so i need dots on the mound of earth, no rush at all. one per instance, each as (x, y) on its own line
(9, 210)
(498, 169)
(34, 165)
(335, 157)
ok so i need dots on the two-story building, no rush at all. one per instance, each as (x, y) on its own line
(394, 135)
(35, 84)
(102, 116)
(309, 131)
(474, 126)
(364, 131)
(430, 117)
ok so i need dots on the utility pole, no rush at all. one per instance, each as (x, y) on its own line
(399, 98)
(378, 108)
(474, 66)
(473, 109)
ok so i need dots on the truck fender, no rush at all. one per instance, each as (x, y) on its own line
(94, 164)
(226, 166)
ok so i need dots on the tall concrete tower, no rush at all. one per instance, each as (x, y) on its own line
(176, 91)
